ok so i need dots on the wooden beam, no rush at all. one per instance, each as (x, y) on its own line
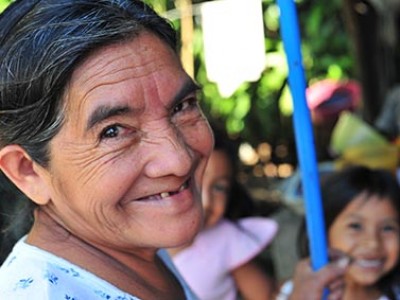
(185, 8)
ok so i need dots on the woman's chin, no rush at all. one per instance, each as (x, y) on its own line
(185, 233)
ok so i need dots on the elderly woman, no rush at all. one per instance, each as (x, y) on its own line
(100, 128)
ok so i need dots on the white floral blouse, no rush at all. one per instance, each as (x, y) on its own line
(34, 274)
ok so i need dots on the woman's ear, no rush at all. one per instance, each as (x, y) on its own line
(18, 166)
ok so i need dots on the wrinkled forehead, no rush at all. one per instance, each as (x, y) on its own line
(143, 51)
(125, 72)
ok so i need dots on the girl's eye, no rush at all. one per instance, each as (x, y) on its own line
(220, 189)
(390, 228)
(355, 226)
(110, 132)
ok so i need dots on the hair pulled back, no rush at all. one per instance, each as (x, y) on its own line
(42, 43)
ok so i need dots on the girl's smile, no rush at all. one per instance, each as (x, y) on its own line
(367, 230)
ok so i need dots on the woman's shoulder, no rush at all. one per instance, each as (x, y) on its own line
(165, 257)
(31, 273)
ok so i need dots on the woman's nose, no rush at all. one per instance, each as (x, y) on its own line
(169, 155)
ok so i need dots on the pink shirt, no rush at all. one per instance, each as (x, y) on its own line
(216, 251)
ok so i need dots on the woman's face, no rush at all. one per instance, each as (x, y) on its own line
(216, 187)
(368, 231)
(126, 167)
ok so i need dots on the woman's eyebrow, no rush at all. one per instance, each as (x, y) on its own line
(104, 112)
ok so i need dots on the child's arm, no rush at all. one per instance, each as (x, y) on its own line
(252, 282)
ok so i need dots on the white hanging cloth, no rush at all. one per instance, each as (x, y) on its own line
(234, 49)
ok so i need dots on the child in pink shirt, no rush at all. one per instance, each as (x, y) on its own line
(219, 263)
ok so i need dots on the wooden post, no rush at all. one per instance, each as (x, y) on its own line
(185, 8)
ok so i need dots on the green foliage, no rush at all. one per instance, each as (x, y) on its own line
(266, 106)
(4, 4)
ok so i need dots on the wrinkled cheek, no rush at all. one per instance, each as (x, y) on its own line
(200, 138)
(209, 137)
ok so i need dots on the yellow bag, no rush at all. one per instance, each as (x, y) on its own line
(358, 143)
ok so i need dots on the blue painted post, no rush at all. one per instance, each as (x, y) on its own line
(304, 135)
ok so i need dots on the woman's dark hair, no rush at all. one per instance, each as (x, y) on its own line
(42, 42)
(15, 216)
(341, 187)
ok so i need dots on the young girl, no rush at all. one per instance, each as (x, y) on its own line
(362, 211)
(218, 264)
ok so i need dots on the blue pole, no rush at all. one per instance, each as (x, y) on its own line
(304, 135)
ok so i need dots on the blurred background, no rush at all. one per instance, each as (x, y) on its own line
(351, 60)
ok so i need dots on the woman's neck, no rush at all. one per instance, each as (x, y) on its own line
(140, 273)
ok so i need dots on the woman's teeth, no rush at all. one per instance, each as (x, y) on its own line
(168, 194)
(165, 194)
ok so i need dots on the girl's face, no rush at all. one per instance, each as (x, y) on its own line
(216, 187)
(368, 231)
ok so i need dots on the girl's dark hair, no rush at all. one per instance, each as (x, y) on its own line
(341, 187)
(240, 204)
(42, 42)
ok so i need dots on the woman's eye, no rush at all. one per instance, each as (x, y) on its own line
(187, 104)
(110, 132)
(119, 133)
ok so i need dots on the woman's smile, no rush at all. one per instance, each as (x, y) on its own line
(164, 195)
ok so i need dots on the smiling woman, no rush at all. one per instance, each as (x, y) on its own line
(101, 129)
